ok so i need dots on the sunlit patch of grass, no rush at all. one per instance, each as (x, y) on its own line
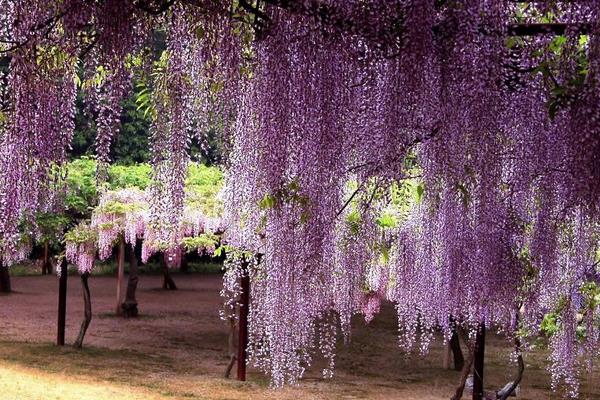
(18, 383)
(29, 369)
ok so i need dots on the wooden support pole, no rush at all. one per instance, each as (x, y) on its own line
(62, 302)
(478, 363)
(243, 323)
(4, 279)
(120, 273)
(45, 261)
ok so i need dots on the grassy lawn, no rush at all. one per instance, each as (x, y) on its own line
(17, 383)
(177, 349)
(38, 371)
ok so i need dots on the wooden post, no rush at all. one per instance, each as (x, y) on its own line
(243, 323)
(478, 363)
(46, 263)
(62, 302)
(4, 279)
(45, 258)
(120, 273)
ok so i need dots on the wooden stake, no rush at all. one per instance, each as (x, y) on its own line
(4, 279)
(478, 363)
(45, 260)
(120, 273)
(62, 302)
(243, 323)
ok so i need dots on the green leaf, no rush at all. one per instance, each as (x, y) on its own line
(354, 220)
(267, 202)
(387, 221)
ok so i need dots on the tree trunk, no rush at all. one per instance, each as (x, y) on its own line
(521, 367)
(87, 303)
(129, 306)
(120, 273)
(232, 345)
(4, 279)
(458, 393)
(46, 264)
(62, 302)
(184, 262)
(517, 380)
(459, 360)
(168, 282)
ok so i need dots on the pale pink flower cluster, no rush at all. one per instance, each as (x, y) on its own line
(82, 255)
(121, 213)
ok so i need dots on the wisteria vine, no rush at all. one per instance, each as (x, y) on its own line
(440, 155)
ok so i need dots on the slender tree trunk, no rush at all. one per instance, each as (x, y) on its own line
(466, 370)
(231, 345)
(46, 264)
(120, 273)
(243, 323)
(521, 367)
(478, 363)
(87, 303)
(168, 282)
(62, 302)
(453, 349)
(459, 360)
(129, 306)
(4, 279)
(517, 380)
(184, 262)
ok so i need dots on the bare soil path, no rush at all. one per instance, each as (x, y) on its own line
(177, 349)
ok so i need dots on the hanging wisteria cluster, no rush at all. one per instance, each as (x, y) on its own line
(188, 84)
(37, 114)
(120, 214)
(81, 246)
(442, 155)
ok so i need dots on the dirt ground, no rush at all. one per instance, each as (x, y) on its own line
(177, 349)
